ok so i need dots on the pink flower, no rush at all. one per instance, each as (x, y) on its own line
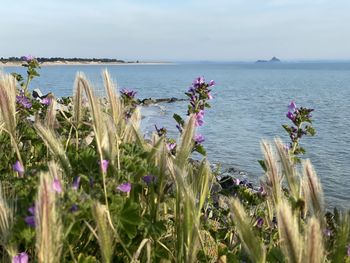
(46, 101)
(292, 107)
(28, 58)
(20, 258)
(124, 187)
(199, 118)
(56, 185)
(104, 165)
(170, 146)
(199, 138)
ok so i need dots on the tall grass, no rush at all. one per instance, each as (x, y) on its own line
(47, 220)
(8, 94)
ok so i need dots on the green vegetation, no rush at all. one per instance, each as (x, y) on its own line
(79, 183)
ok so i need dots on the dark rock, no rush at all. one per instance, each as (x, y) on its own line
(272, 60)
(148, 101)
(227, 182)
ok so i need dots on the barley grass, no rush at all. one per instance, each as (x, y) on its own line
(252, 245)
(47, 222)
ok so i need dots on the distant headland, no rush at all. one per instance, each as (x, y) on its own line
(272, 60)
(53, 61)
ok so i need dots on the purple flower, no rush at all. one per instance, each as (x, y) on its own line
(20, 258)
(18, 167)
(74, 208)
(211, 83)
(191, 90)
(170, 146)
(327, 232)
(198, 82)
(148, 179)
(124, 187)
(199, 118)
(290, 116)
(23, 100)
(128, 93)
(210, 97)
(287, 147)
(56, 185)
(260, 222)
(46, 101)
(91, 181)
(179, 128)
(292, 107)
(28, 58)
(348, 250)
(30, 220)
(262, 190)
(199, 138)
(76, 183)
(104, 165)
(237, 181)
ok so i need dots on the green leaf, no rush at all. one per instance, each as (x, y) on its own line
(129, 218)
(178, 119)
(82, 258)
(275, 255)
(200, 149)
(263, 165)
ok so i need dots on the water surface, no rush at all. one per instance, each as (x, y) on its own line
(250, 103)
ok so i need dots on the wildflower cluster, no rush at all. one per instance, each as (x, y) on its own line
(128, 97)
(32, 64)
(199, 93)
(301, 119)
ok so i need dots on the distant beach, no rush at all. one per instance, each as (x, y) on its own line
(82, 63)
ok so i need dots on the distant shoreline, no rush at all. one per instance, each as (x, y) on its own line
(82, 63)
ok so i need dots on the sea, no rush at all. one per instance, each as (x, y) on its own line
(250, 104)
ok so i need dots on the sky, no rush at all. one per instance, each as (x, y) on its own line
(177, 30)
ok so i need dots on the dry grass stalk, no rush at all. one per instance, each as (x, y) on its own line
(95, 110)
(145, 242)
(253, 245)
(50, 118)
(314, 250)
(186, 143)
(288, 229)
(131, 132)
(273, 183)
(104, 231)
(78, 100)
(187, 209)
(313, 190)
(289, 170)
(8, 102)
(54, 144)
(113, 98)
(6, 223)
(48, 224)
(8, 109)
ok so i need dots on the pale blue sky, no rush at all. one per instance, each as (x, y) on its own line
(228, 30)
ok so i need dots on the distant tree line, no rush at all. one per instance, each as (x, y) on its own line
(55, 59)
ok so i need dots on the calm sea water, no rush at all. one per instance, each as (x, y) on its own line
(250, 102)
